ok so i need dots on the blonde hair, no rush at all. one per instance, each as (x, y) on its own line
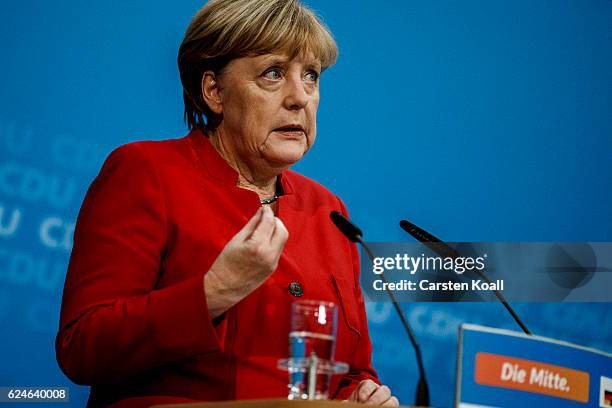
(227, 29)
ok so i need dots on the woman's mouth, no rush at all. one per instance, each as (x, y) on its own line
(291, 131)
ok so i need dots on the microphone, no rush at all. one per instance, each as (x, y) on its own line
(350, 230)
(445, 250)
(354, 234)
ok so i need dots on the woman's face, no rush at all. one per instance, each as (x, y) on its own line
(269, 107)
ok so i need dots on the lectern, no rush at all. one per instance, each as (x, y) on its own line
(272, 403)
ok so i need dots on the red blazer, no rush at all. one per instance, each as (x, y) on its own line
(134, 321)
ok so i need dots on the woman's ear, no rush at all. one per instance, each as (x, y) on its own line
(211, 93)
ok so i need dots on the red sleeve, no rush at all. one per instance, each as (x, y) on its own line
(361, 364)
(114, 322)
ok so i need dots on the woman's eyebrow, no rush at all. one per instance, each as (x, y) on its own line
(284, 60)
(277, 59)
(314, 64)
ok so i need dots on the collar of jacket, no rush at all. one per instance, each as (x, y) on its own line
(218, 168)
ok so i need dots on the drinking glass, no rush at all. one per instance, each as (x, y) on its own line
(311, 349)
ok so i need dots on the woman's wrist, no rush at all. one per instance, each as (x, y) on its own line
(219, 298)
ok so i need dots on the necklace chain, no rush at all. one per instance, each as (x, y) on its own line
(266, 201)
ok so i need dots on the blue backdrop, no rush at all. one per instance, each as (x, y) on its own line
(479, 121)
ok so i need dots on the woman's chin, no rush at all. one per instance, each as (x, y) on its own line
(286, 153)
(284, 157)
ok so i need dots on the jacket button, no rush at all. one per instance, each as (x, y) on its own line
(296, 289)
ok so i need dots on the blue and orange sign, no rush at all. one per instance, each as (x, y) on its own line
(501, 368)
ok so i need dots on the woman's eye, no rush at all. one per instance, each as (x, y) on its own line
(312, 76)
(273, 74)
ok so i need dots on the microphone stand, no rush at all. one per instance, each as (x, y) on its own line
(422, 392)
(443, 249)
(354, 234)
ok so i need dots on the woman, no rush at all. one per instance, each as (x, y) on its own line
(188, 252)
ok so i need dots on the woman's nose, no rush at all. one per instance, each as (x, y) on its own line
(296, 95)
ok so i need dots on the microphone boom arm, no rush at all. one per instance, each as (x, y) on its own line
(443, 249)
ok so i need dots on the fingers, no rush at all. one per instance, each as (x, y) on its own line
(365, 389)
(280, 234)
(263, 231)
(391, 402)
(380, 395)
(248, 259)
(370, 393)
(246, 231)
(267, 230)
